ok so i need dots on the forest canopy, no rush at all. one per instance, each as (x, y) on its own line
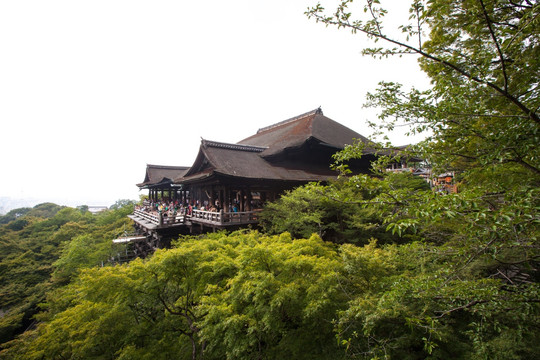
(374, 266)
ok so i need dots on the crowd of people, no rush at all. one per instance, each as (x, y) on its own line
(170, 208)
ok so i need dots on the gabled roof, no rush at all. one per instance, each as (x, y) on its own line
(298, 149)
(157, 174)
(245, 161)
(296, 131)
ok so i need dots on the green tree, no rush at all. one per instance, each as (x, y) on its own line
(482, 57)
(481, 115)
(239, 296)
(94, 246)
(408, 306)
(337, 211)
(28, 246)
(48, 240)
(307, 210)
(13, 214)
(280, 303)
(123, 203)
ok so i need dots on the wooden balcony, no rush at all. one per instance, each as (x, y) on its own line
(224, 219)
(157, 221)
(153, 220)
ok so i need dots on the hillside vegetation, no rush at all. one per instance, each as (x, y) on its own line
(367, 267)
(250, 295)
(41, 248)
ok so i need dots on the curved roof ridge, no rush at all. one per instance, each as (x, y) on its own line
(222, 145)
(298, 117)
(171, 167)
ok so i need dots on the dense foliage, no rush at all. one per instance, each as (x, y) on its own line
(247, 295)
(337, 212)
(237, 296)
(408, 273)
(481, 115)
(44, 241)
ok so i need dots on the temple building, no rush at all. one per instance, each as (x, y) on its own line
(158, 179)
(261, 167)
(228, 183)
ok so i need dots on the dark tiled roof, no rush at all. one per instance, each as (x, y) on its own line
(296, 131)
(239, 147)
(246, 162)
(156, 174)
(265, 155)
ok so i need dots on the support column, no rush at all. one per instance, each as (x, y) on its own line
(227, 203)
(249, 198)
(221, 197)
(212, 199)
(241, 202)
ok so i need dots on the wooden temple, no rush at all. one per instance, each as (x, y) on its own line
(159, 180)
(228, 183)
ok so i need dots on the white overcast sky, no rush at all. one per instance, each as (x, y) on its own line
(92, 91)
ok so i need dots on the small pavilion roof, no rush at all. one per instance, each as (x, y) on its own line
(158, 174)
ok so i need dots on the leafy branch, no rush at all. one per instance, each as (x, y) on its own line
(373, 30)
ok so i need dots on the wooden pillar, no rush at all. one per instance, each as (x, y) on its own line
(241, 201)
(212, 199)
(221, 197)
(249, 198)
(227, 201)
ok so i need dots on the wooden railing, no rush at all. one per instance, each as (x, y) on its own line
(201, 217)
(225, 218)
(159, 219)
